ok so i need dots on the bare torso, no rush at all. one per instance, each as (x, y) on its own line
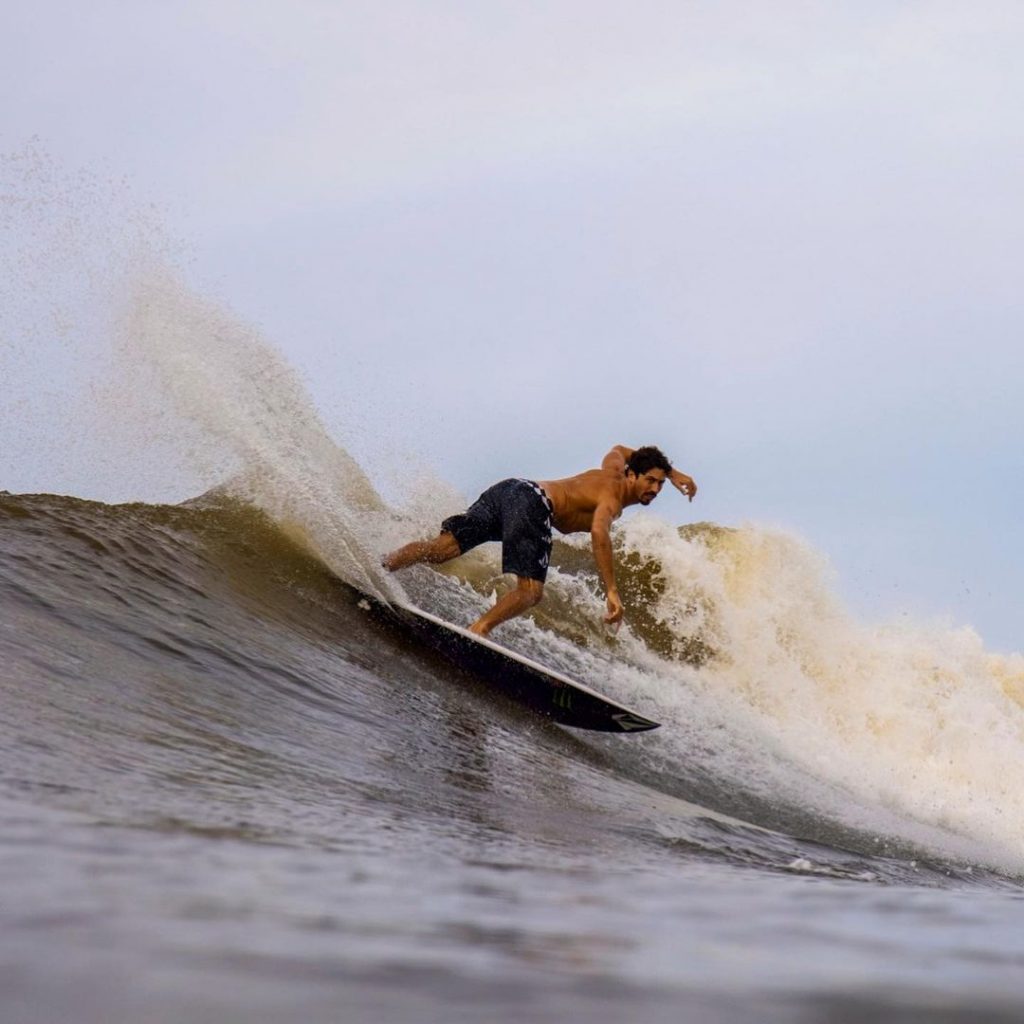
(575, 498)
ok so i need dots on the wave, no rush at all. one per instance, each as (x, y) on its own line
(777, 703)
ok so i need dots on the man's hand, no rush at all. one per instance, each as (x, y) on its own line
(683, 484)
(615, 608)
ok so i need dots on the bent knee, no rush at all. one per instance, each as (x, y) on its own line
(446, 546)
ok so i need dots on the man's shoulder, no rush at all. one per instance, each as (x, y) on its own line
(602, 474)
(593, 483)
(594, 480)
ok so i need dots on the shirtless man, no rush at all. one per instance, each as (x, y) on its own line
(520, 513)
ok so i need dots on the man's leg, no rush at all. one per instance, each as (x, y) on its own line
(526, 594)
(435, 551)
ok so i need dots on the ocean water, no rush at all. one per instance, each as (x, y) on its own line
(226, 793)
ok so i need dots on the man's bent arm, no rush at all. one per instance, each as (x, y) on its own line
(618, 457)
(683, 483)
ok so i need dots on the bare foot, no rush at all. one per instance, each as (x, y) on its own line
(478, 630)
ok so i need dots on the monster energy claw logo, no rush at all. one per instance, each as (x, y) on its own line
(561, 697)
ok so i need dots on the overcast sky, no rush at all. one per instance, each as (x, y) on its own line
(781, 239)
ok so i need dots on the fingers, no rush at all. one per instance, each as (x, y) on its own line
(614, 613)
(615, 608)
(688, 487)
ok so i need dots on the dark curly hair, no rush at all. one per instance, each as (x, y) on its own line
(646, 458)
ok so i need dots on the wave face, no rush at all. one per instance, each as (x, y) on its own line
(216, 769)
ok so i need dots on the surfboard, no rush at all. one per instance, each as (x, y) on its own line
(555, 695)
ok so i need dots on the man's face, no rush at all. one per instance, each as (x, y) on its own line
(648, 485)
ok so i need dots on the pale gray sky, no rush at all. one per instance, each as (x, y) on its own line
(782, 239)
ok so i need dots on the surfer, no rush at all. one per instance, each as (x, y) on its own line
(520, 513)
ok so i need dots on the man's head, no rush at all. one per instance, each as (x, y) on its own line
(647, 469)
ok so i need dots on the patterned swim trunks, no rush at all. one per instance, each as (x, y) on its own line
(516, 512)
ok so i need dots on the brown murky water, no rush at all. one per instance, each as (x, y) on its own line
(225, 794)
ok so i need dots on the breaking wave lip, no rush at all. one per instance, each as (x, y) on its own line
(720, 748)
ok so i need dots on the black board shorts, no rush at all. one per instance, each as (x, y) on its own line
(516, 512)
